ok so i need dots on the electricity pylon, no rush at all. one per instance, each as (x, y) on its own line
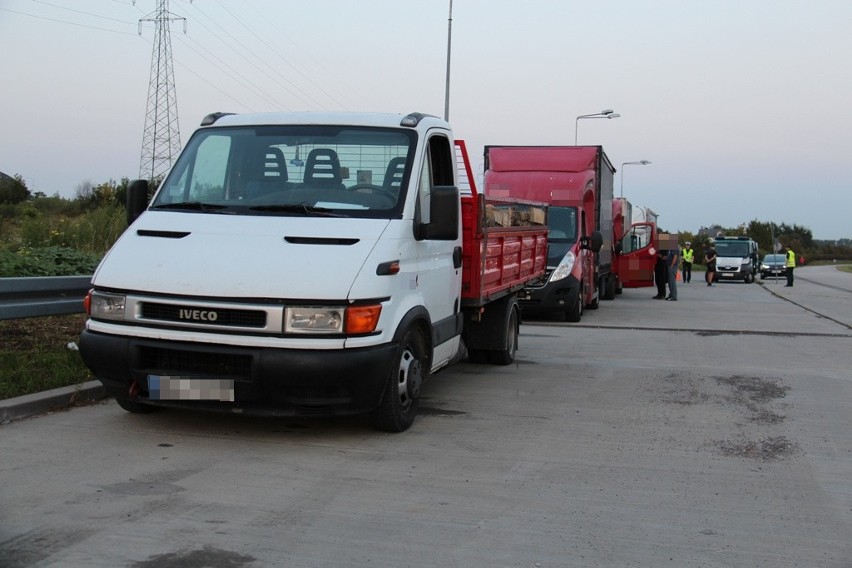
(161, 138)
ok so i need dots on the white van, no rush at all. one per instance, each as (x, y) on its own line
(736, 259)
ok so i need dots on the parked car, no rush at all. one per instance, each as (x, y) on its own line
(772, 265)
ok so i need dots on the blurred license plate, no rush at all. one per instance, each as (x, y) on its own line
(190, 388)
(728, 274)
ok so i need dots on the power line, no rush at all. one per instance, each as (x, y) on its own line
(80, 12)
(256, 60)
(315, 64)
(243, 79)
(65, 22)
(278, 55)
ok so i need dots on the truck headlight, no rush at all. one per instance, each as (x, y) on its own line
(351, 320)
(107, 306)
(314, 319)
(565, 267)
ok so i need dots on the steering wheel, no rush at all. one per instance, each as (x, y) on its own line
(371, 188)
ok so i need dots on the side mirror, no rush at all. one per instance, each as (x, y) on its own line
(137, 199)
(593, 243)
(618, 247)
(444, 213)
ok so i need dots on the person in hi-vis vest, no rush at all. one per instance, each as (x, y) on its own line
(790, 265)
(688, 256)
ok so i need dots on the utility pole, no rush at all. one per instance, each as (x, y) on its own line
(449, 46)
(161, 138)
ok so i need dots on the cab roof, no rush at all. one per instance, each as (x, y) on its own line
(387, 120)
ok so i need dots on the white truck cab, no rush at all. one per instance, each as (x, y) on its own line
(292, 263)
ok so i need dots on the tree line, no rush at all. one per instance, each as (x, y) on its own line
(41, 235)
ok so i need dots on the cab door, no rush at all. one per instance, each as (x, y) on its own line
(439, 272)
(636, 256)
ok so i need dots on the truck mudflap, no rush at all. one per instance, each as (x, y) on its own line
(266, 381)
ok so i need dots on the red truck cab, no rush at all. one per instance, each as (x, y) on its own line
(576, 182)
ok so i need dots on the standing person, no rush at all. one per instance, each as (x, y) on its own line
(672, 261)
(688, 258)
(710, 261)
(660, 275)
(790, 265)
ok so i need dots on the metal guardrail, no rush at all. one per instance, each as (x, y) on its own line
(42, 296)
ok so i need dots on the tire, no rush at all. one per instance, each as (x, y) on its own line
(609, 288)
(477, 355)
(507, 356)
(135, 407)
(575, 312)
(595, 304)
(402, 390)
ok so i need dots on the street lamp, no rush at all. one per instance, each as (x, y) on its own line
(639, 163)
(606, 113)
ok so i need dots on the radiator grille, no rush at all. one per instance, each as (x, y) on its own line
(223, 317)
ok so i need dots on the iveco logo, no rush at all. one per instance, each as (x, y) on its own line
(198, 315)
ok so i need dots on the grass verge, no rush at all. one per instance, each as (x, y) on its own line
(34, 355)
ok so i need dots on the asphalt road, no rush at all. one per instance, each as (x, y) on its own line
(713, 431)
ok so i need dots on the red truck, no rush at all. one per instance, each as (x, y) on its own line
(504, 248)
(577, 184)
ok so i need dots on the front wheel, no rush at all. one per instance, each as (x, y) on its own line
(575, 311)
(135, 407)
(402, 389)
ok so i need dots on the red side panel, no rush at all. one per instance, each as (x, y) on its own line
(496, 260)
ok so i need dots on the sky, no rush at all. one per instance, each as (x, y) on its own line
(741, 106)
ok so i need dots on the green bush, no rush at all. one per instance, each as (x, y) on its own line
(47, 261)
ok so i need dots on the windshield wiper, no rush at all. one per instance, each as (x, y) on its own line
(191, 206)
(302, 208)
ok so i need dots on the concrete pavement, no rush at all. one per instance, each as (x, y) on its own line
(713, 431)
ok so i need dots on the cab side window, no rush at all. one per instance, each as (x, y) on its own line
(437, 170)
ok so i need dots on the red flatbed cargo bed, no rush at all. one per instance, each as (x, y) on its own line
(504, 242)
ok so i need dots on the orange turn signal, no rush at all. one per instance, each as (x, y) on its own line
(87, 303)
(362, 319)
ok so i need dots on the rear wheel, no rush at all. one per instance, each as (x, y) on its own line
(507, 355)
(609, 287)
(402, 389)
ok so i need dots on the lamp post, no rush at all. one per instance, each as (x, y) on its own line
(639, 163)
(606, 113)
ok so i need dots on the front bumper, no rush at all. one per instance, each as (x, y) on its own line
(732, 273)
(267, 381)
(561, 295)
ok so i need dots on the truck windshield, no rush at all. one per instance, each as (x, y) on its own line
(308, 170)
(736, 249)
(562, 222)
